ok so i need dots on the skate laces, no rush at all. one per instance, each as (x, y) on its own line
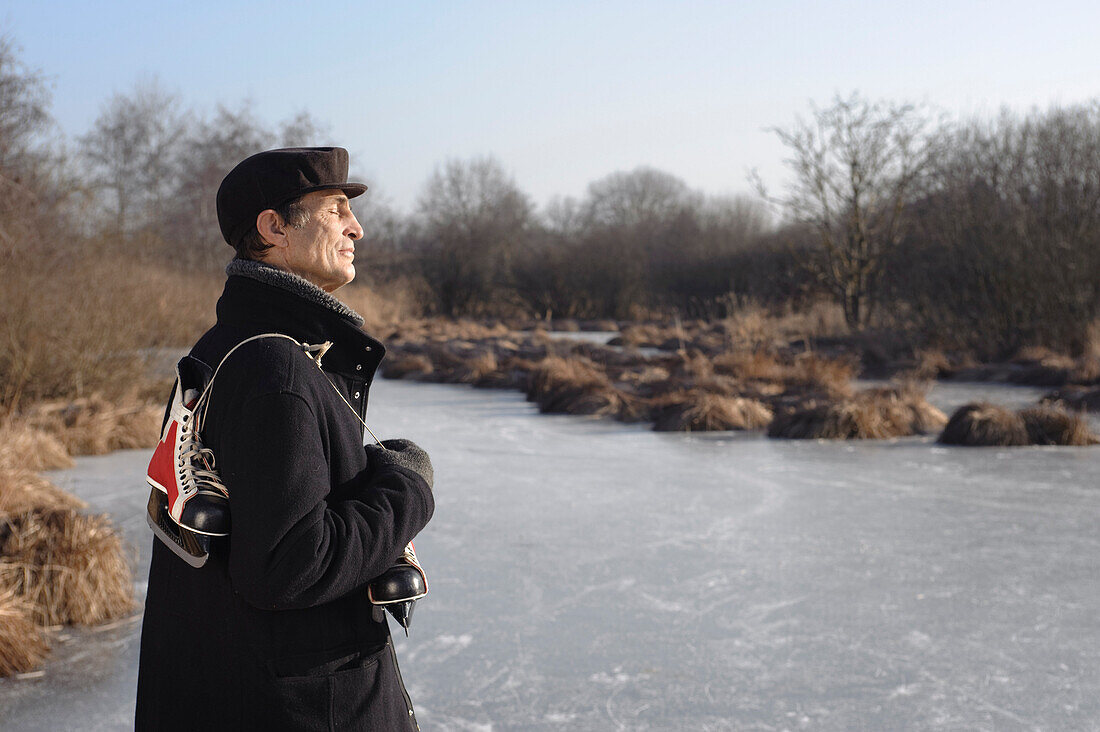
(197, 462)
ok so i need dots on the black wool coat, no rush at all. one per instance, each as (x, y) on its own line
(275, 632)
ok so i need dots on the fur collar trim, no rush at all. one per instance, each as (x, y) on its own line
(291, 283)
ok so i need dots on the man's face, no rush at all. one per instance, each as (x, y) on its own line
(323, 251)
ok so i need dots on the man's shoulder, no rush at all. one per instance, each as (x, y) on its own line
(255, 364)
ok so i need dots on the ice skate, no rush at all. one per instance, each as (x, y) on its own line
(399, 587)
(183, 471)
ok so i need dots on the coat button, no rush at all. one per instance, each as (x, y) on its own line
(358, 367)
(356, 395)
(367, 348)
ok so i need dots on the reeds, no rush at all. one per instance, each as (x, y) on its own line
(70, 567)
(403, 366)
(806, 371)
(980, 424)
(30, 448)
(23, 645)
(699, 411)
(24, 491)
(1047, 425)
(56, 565)
(94, 426)
(871, 415)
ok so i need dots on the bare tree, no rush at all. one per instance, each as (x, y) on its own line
(131, 152)
(1006, 249)
(636, 224)
(210, 150)
(302, 130)
(473, 219)
(856, 165)
(25, 190)
(639, 199)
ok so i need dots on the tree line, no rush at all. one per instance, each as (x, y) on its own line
(978, 234)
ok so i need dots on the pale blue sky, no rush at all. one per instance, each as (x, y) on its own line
(561, 92)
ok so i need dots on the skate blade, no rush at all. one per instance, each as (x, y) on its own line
(402, 613)
(190, 547)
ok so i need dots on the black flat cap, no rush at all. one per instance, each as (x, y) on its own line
(274, 177)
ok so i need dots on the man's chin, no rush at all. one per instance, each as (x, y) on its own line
(349, 275)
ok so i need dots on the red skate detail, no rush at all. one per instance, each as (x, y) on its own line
(162, 466)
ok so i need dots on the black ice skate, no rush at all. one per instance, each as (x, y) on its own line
(398, 588)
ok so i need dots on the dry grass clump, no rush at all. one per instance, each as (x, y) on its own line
(753, 326)
(23, 645)
(873, 414)
(1078, 398)
(749, 365)
(637, 376)
(479, 367)
(849, 420)
(94, 426)
(23, 491)
(697, 411)
(70, 567)
(980, 424)
(24, 446)
(445, 329)
(929, 364)
(406, 366)
(807, 370)
(554, 373)
(589, 401)
(576, 386)
(648, 335)
(512, 373)
(1047, 425)
(833, 376)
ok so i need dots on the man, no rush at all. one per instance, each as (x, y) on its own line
(275, 631)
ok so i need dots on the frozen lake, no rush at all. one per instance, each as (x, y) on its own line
(587, 575)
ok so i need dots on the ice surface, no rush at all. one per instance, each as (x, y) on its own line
(587, 575)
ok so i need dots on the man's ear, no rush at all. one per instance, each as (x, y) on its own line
(271, 228)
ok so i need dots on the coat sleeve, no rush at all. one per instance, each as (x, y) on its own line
(290, 547)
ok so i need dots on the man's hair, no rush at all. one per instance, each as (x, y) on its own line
(292, 213)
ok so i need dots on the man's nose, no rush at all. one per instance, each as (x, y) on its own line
(355, 230)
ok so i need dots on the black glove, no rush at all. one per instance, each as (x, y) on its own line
(403, 453)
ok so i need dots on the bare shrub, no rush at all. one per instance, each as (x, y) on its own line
(1047, 425)
(113, 311)
(23, 645)
(69, 566)
(981, 424)
(697, 410)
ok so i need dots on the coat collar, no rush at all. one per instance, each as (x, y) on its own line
(256, 302)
